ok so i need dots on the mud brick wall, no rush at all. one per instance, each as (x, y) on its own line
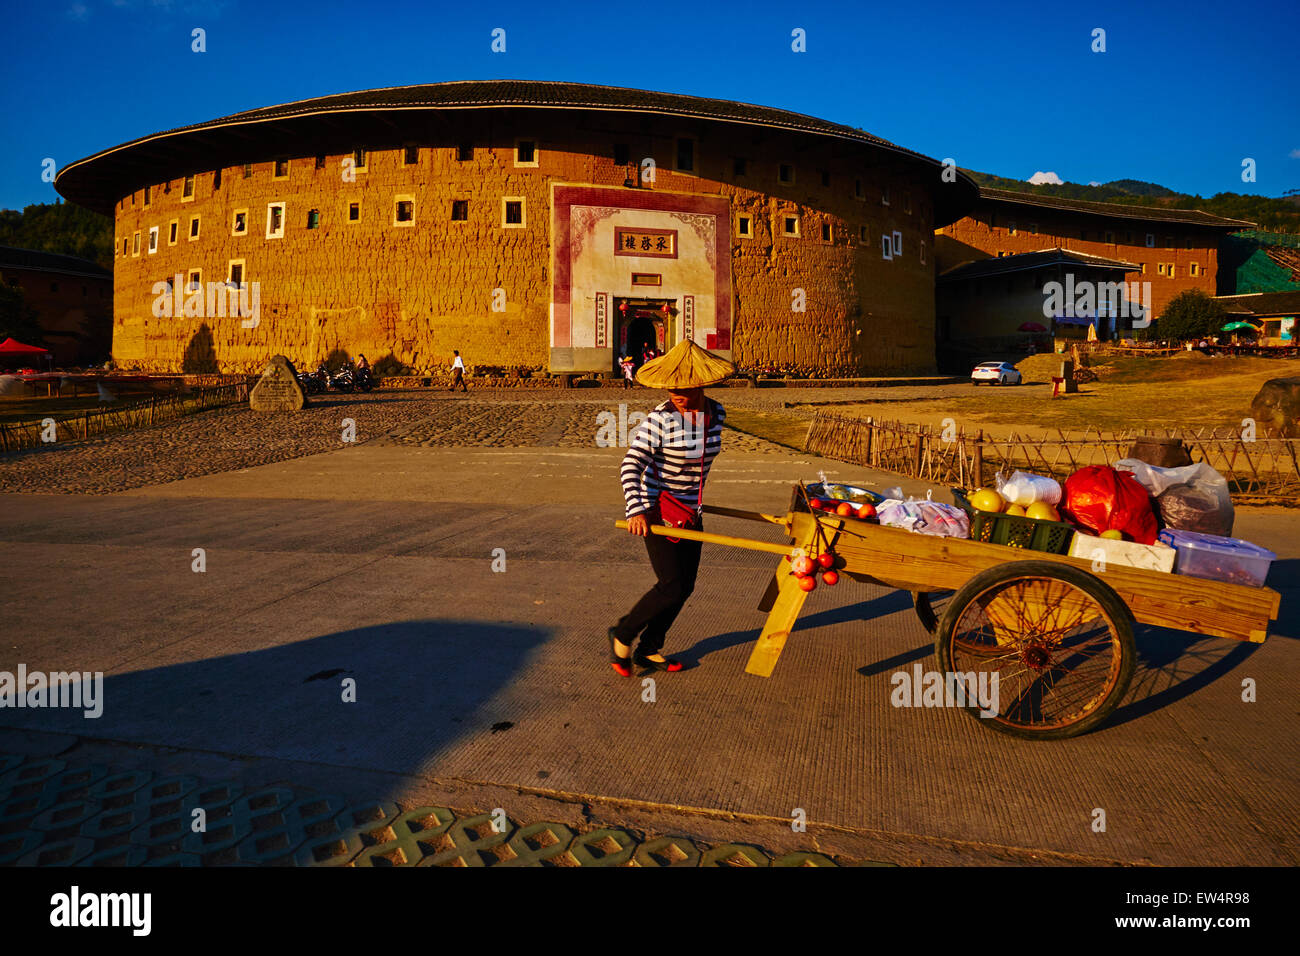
(413, 293)
(988, 231)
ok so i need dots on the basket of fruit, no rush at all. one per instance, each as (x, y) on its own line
(993, 520)
(845, 501)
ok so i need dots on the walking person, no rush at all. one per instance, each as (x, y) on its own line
(663, 477)
(458, 373)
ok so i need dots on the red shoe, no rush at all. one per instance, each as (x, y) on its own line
(667, 664)
(622, 665)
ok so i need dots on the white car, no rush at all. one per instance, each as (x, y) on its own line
(1003, 373)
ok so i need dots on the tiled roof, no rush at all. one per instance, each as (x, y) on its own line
(98, 181)
(1027, 261)
(12, 257)
(1191, 217)
(1262, 303)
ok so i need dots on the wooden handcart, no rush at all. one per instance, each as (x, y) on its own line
(1056, 630)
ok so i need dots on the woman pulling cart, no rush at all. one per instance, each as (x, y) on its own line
(663, 476)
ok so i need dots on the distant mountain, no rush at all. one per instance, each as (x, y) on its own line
(1272, 215)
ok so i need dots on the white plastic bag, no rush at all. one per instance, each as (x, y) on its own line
(1025, 489)
(1190, 498)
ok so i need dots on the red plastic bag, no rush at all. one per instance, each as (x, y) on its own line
(1102, 499)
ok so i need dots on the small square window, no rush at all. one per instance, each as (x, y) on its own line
(148, 195)
(789, 225)
(1194, 269)
(1143, 266)
(313, 218)
(1033, 228)
(785, 173)
(898, 243)
(1011, 229)
(857, 189)
(459, 210)
(195, 281)
(1172, 270)
(884, 195)
(864, 233)
(1160, 268)
(239, 224)
(886, 247)
(685, 154)
(216, 180)
(403, 211)
(525, 152)
(248, 170)
(745, 227)
(354, 212)
(187, 192)
(281, 169)
(173, 232)
(194, 228)
(410, 155)
(320, 162)
(153, 240)
(235, 272)
(622, 155)
(359, 158)
(826, 232)
(739, 166)
(275, 220)
(512, 212)
(1187, 242)
(126, 246)
(1151, 240)
(465, 152)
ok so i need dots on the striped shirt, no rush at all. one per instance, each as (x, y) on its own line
(670, 452)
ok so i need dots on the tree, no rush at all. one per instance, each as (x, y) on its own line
(18, 319)
(1191, 314)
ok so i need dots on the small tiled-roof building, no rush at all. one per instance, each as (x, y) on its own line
(1173, 249)
(533, 224)
(72, 298)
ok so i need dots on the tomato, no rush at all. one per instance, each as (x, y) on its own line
(816, 503)
(808, 583)
(844, 510)
(830, 577)
(867, 511)
(802, 566)
(826, 559)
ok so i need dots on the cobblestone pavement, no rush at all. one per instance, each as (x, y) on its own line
(57, 813)
(233, 438)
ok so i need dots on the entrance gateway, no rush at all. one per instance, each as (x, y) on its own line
(631, 267)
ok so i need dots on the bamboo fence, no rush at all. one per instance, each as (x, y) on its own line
(16, 436)
(1256, 469)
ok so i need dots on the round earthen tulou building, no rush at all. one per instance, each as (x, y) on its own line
(538, 225)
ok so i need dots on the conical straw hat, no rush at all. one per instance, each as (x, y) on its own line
(684, 366)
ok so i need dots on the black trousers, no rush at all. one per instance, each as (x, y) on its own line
(458, 380)
(675, 565)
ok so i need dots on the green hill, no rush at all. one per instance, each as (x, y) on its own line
(59, 227)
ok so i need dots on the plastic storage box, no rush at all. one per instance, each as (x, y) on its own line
(1220, 559)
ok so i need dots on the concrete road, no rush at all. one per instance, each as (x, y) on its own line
(375, 564)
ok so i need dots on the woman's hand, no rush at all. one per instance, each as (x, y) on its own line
(639, 525)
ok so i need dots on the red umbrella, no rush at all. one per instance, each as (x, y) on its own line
(1032, 327)
(12, 347)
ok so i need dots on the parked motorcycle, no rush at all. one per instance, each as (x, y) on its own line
(343, 379)
(364, 380)
(311, 382)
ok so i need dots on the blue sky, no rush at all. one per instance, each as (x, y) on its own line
(1184, 92)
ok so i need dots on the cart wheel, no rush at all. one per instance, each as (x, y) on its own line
(1059, 640)
(930, 606)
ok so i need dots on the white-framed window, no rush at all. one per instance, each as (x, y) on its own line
(785, 173)
(194, 281)
(513, 214)
(194, 228)
(527, 153)
(135, 243)
(235, 272)
(1151, 240)
(1194, 269)
(886, 247)
(789, 225)
(685, 155)
(745, 226)
(153, 239)
(884, 195)
(280, 170)
(239, 223)
(354, 212)
(360, 157)
(898, 243)
(404, 210)
(1172, 270)
(1160, 268)
(173, 232)
(275, 220)
(187, 192)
